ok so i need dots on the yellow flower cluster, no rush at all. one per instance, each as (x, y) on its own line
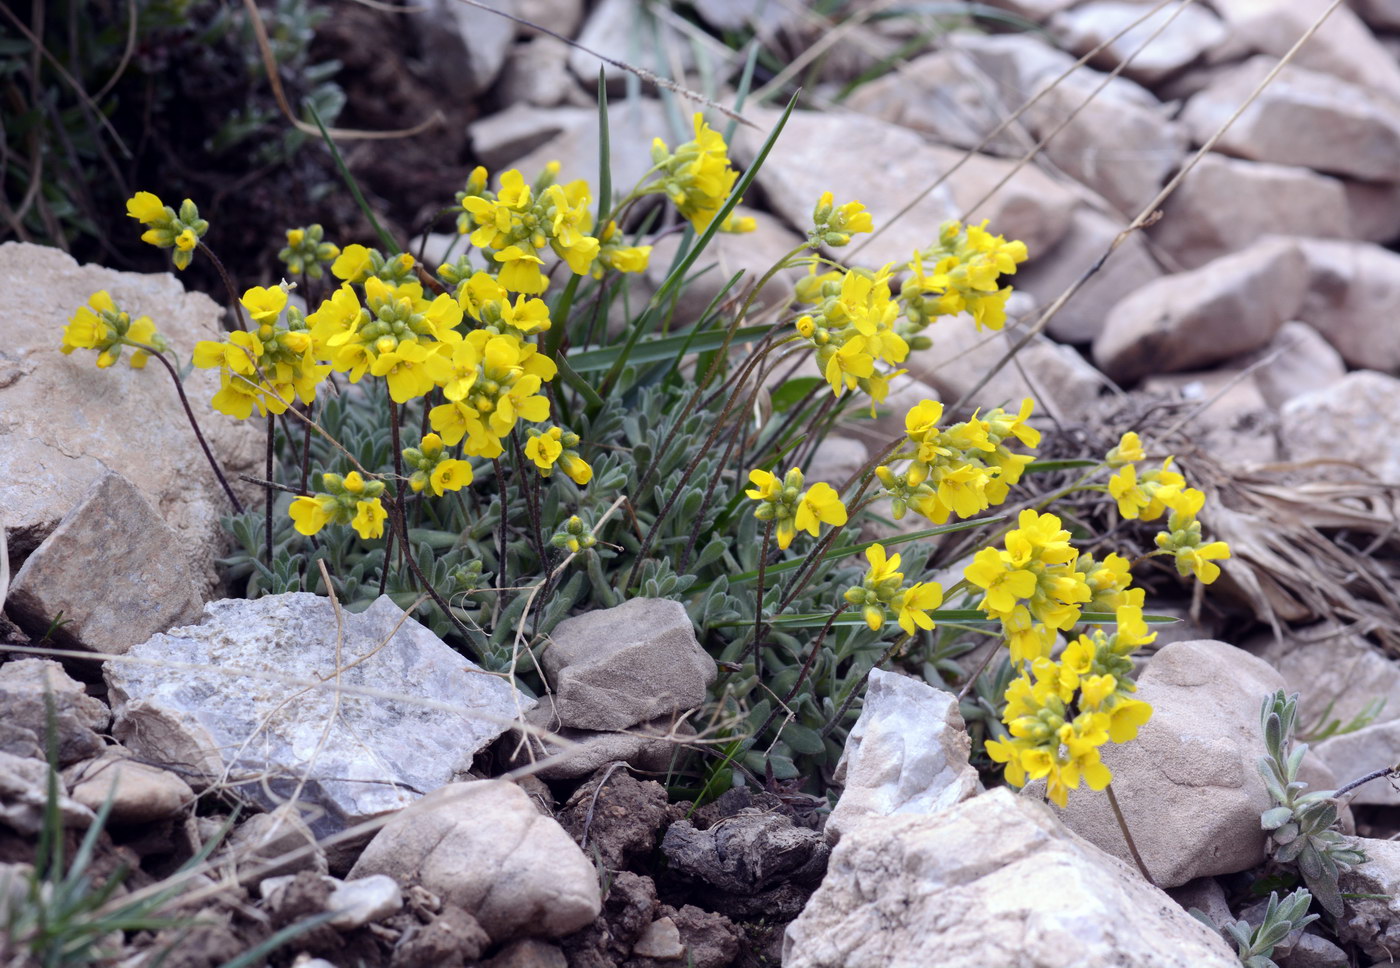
(555, 445)
(883, 587)
(697, 177)
(960, 273)
(101, 326)
(852, 329)
(266, 367)
(834, 224)
(792, 509)
(306, 250)
(1032, 586)
(1155, 492)
(433, 469)
(348, 500)
(166, 229)
(1060, 713)
(962, 469)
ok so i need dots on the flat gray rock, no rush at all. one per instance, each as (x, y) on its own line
(612, 668)
(129, 421)
(229, 700)
(145, 588)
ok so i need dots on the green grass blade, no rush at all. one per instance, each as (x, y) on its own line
(663, 348)
(604, 155)
(740, 187)
(390, 246)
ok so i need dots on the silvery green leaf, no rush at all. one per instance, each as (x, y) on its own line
(1275, 818)
(1287, 853)
(1286, 833)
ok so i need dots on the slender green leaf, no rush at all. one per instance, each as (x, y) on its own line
(390, 245)
(664, 348)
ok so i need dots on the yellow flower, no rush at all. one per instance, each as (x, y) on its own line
(265, 304)
(311, 514)
(914, 604)
(544, 449)
(819, 504)
(450, 475)
(145, 207)
(1129, 449)
(1198, 561)
(1004, 584)
(369, 518)
(353, 264)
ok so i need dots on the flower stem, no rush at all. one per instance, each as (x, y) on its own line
(194, 424)
(758, 601)
(404, 550)
(267, 500)
(228, 285)
(1123, 826)
(1373, 775)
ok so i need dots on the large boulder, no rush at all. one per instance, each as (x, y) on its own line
(819, 150)
(995, 880)
(906, 754)
(1341, 46)
(1193, 319)
(64, 423)
(1354, 421)
(960, 94)
(272, 697)
(1128, 268)
(1302, 118)
(1188, 786)
(1224, 204)
(482, 846)
(615, 667)
(1153, 46)
(1353, 299)
(145, 589)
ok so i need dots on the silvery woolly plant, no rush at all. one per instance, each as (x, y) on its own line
(1255, 944)
(1301, 824)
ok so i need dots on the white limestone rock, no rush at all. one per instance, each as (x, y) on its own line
(906, 754)
(235, 699)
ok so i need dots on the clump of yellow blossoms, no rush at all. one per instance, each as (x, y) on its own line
(101, 326)
(1155, 492)
(860, 329)
(167, 229)
(306, 250)
(960, 273)
(792, 509)
(1060, 713)
(267, 367)
(348, 500)
(697, 177)
(555, 445)
(1031, 585)
(434, 469)
(834, 224)
(851, 329)
(960, 470)
(883, 587)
